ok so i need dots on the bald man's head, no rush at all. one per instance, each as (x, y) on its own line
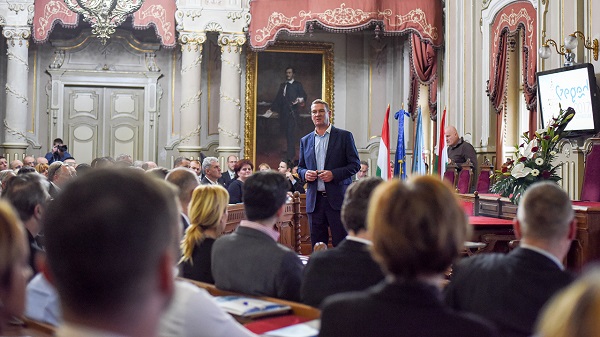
(451, 136)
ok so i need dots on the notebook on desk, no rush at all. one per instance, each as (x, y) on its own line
(250, 307)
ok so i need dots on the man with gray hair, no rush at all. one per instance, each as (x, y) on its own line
(511, 289)
(212, 171)
(58, 175)
(186, 181)
(28, 194)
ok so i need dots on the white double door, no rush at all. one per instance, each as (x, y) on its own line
(103, 121)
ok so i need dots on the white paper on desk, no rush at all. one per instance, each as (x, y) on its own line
(296, 330)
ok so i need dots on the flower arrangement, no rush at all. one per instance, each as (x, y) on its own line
(533, 161)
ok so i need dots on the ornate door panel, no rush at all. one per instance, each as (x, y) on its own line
(103, 121)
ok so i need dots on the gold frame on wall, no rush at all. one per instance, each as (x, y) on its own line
(252, 59)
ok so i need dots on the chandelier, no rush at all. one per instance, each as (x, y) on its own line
(104, 15)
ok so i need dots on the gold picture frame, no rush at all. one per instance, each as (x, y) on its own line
(265, 71)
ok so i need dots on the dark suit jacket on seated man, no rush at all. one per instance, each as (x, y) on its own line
(511, 289)
(328, 161)
(250, 260)
(349, 266)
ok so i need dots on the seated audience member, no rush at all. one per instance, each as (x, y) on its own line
(364, 170)
(211, 171)
(208, 214)
(229, 175)
(574, 311)
(149, 165)
(26, 169)
(124, 160)
(115, 276)
(243, 170)
(264, 167)
(158, 172)
(29, 161)
(250, 260)
(418, 228)
(3, 163)
(185, 180)
(181, 162)
(510, 289)
(5, 177)
(41, 160)
(28, 194)
(16, 164)
(58, 175)
(294, 181)
(82, 169)
(102, 162)
(14, 270)
(349, 266)
(196, 166)
(70, 161)
(42, 169)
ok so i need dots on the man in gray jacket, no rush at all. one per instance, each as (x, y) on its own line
(250, 260)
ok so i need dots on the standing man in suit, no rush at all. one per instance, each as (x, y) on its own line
(511, 289)
(328, 160)
(290, 97)
(349, 266)
(250, 260)
(229, 176)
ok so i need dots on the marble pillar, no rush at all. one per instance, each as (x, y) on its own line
(231, 109)
(191, 93)
(15, 122)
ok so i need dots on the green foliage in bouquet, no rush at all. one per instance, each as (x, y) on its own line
(533, 161)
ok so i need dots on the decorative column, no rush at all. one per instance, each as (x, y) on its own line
(231, 108)
(191, 92)
(15, 123)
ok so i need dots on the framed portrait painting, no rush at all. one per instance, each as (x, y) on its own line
(281, 82)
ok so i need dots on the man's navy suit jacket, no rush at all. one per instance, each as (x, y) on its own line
(341, 159)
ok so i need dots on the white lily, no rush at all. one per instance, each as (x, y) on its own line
(526, 151)
(520, 171)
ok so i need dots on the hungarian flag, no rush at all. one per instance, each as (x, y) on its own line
(442, 147)
(383, 159)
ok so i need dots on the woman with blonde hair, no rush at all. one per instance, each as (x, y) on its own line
(575, 311)
(208, 214)
(417, 229)
(42, 169)
(14, 265)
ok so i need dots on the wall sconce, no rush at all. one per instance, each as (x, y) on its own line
(566, 49)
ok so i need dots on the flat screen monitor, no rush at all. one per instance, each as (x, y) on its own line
(573, 86)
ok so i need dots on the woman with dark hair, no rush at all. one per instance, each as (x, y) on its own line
(243, 169)
(417, 228)
(14, 265)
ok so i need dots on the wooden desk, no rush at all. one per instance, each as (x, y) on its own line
(298, 309)
(586, 246)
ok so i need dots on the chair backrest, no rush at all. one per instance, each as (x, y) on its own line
(590, 189)
(450, 174)
(465, 177)
(483, 181)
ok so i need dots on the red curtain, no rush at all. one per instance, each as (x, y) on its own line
(423, 61)
(270, 17)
